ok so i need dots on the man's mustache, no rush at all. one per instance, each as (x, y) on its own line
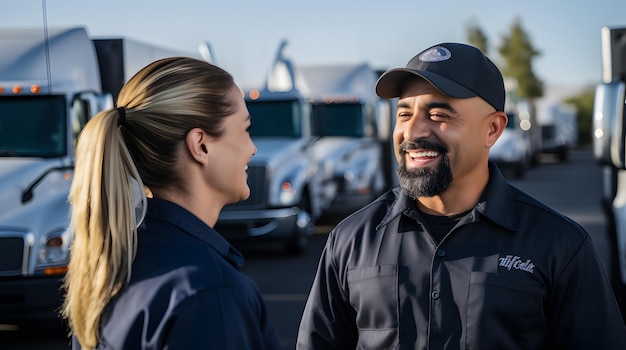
(422, 144)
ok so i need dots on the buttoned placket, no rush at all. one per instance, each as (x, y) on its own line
(435, 312)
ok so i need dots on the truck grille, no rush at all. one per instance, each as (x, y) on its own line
(11, 255)
(257, 182)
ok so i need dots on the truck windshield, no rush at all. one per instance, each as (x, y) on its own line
(32, 126)
(275, 118)
(338, 119)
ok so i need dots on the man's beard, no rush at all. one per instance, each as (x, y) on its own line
(424, 182)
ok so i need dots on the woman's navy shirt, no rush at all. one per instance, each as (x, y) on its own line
(186, 291)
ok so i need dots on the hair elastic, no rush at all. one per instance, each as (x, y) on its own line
(122, 116)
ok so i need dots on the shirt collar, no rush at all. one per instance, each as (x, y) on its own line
(173, 214)
(496, 202)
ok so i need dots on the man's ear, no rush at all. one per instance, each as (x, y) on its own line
(497, 123)
(196, 142)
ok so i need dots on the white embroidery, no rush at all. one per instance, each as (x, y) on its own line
(517, 263)
(435, 54)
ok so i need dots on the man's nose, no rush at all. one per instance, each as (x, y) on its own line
(417, 128)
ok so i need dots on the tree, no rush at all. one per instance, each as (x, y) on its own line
(476, 37)
(518, 53)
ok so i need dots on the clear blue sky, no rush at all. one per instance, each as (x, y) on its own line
(386, 33)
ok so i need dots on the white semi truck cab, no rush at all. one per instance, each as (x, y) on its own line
(289, 189)
(50, 86)
(320, 153)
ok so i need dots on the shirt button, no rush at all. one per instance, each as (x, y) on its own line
(435, 294)
(441, 252)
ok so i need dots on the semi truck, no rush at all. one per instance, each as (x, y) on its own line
(353, 125)
(525, 112)
(51, 83)
(289, 188)
(559, 128)
(512, 152)
(609, 135)
(321, 135)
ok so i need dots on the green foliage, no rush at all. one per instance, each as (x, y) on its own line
(583, 103)
(518, 53)
(476, 37)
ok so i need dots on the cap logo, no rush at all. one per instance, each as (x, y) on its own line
(435, 54)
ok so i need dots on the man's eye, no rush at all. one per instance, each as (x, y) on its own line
(438, 116)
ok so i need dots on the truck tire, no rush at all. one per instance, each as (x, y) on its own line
(563, 154)
(304, 229)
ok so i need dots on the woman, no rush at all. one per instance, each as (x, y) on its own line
(168, 280)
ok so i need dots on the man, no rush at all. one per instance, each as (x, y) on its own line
(456, 258)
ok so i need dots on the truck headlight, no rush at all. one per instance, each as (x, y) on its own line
(287, 193)
(357, 181)
(53, 249)
(349, 176)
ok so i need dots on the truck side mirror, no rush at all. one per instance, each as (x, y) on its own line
(609, 128)
(613, 54)
(618, 143)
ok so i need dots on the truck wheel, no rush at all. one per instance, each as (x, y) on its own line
(304, 229)
(563, 154)
(299, 242)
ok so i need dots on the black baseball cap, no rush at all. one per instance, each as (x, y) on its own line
(457, 70)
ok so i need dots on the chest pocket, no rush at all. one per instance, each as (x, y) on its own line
(511, 307)
(374, 296)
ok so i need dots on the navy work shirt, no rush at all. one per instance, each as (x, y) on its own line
(186, 291)
(512, 274)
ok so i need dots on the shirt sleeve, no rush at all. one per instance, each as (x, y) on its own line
(328, 320)
(222, 318)
(585, 313)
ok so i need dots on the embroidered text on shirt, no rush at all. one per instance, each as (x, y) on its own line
(515, 262)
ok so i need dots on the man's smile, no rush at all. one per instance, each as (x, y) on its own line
(421, 158)
(421, 153)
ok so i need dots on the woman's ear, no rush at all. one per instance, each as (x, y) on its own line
(196, 142)
(497, 123)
